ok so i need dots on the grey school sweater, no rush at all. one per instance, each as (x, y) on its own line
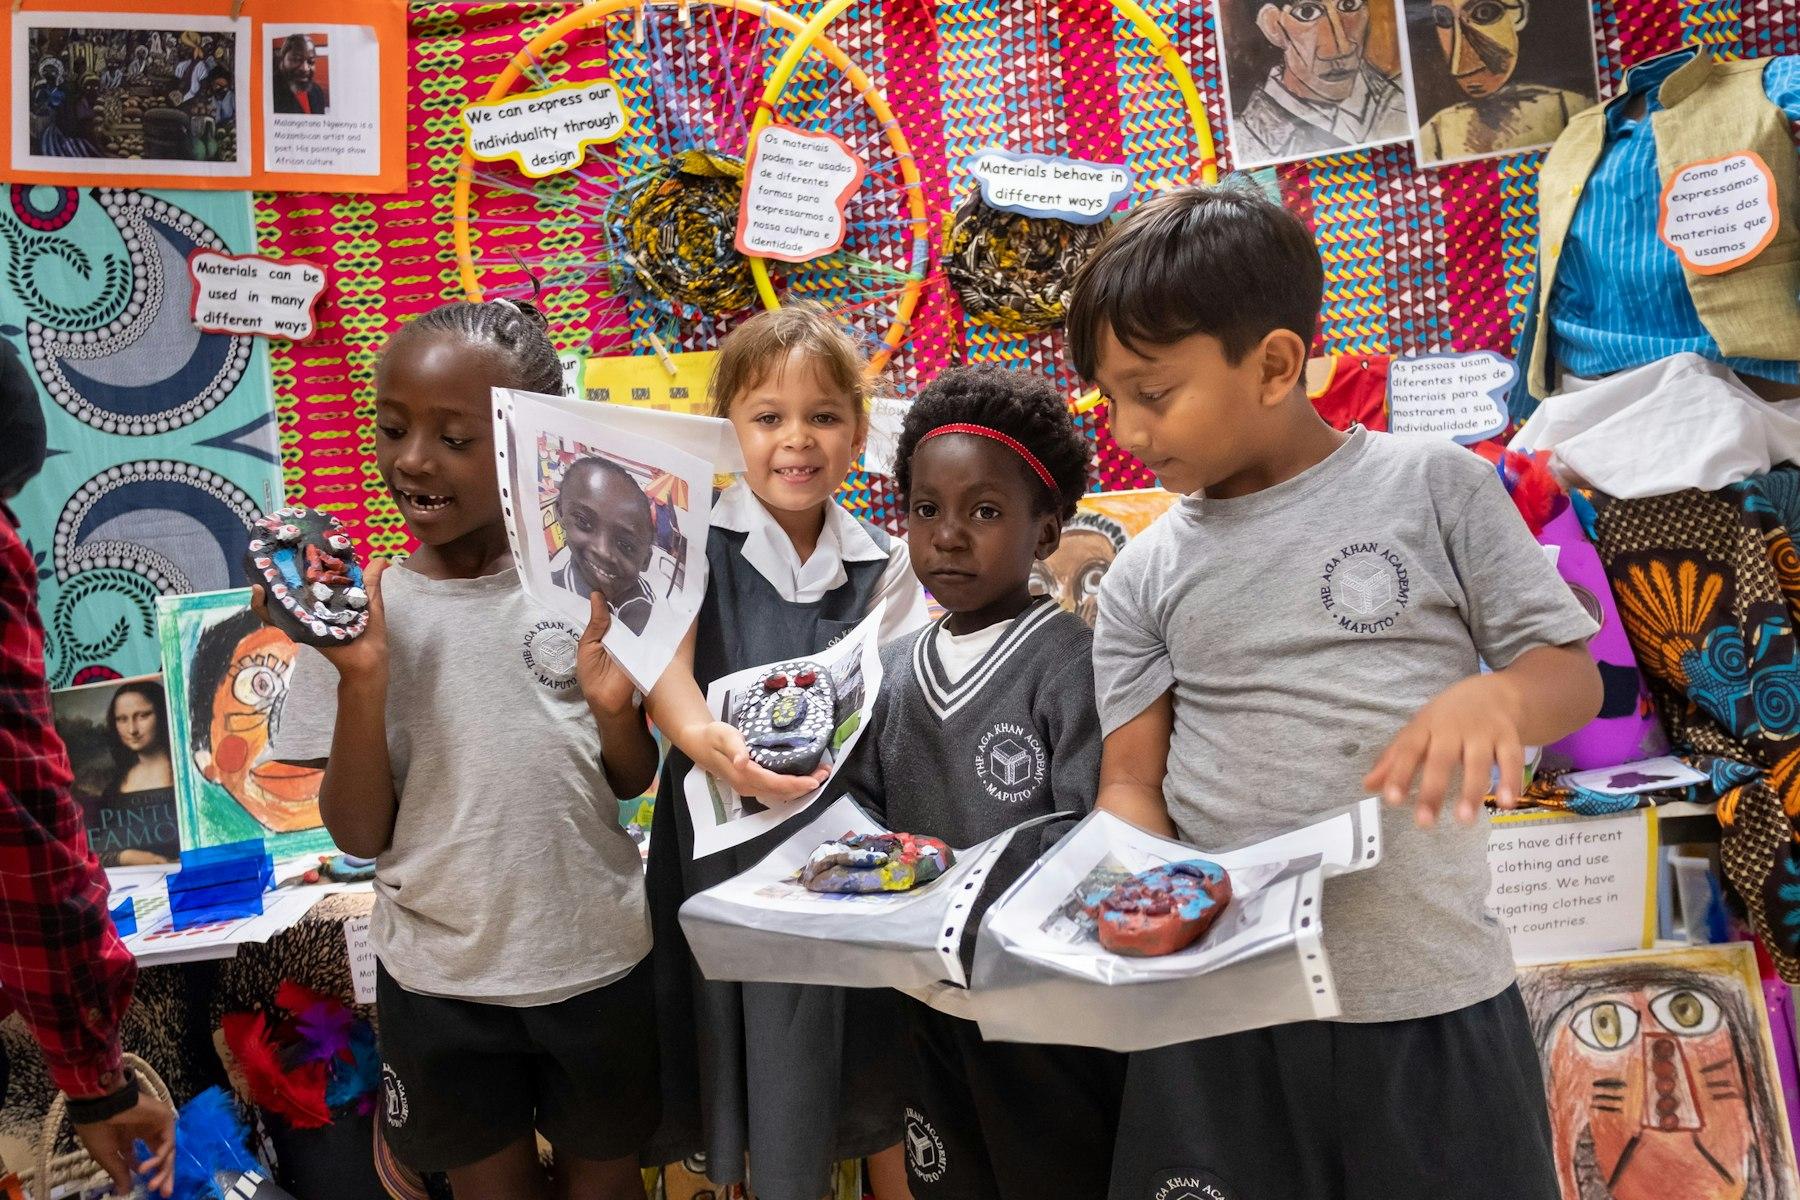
(1017, 737)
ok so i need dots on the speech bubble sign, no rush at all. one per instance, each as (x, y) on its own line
(244, 294)
(796, 185)
(1461, 397)
(1043, 185)
(546, 132)
(1719, 213)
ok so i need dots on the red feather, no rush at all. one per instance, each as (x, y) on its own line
(297, 1095)
(297, 998)
(1534, 490)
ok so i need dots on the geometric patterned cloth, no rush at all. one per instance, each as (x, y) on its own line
(1708, 588)
(162, 438)
(1416, 259)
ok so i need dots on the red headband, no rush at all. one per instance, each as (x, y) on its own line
(1011, 443)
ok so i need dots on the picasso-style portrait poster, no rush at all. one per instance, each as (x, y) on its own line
(1310, 77)
(226, 675)
(117, 734)
(592, 508)
(1497, 76)
(1662, 1076)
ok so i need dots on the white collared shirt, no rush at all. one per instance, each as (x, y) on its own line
(843, 539)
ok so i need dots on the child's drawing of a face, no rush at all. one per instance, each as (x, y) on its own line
(1654, 1077)
(241, 691)
(1073, 573)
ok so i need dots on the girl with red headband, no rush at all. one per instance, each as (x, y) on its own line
(986, 719)
(789, 571)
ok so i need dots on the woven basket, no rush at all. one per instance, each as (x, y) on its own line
(76, 1168)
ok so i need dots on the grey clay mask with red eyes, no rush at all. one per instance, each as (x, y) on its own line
(788, 720)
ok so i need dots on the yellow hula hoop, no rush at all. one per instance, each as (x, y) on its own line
(1159, 41)
(597, 10)
(789, 62)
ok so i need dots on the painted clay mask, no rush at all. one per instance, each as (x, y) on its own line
(789, 720)
(1162, 910)
(876, 862)
(307, 566)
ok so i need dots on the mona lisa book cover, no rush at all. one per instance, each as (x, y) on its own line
(117, 734)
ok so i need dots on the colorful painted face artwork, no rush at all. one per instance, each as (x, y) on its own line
(1310, 77)
(162, 438)
(1661, 1076)
(1091, 539)
(1497, 76)
(227, 677)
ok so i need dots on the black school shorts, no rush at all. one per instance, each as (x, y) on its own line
(462, 1080)
(1450, 1107)
(1006, 1120)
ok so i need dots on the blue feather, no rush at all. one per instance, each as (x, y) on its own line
(352, 1081)
(210, 1135)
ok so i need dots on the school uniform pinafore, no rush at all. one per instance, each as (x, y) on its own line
(756, 1069)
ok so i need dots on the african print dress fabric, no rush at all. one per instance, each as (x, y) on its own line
(162, 438)
(1708, 585)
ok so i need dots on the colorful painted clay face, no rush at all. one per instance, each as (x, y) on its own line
(788, 721)
(1650, 1096)
(307, 567)
(1480, 39)
(859, 863)
(1161, 910)
(242, 684)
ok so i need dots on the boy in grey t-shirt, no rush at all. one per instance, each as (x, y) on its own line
(1306, 627)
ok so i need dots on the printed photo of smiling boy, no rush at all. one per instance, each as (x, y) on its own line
(609, 537)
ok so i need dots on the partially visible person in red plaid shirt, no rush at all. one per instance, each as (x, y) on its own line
(62, 966)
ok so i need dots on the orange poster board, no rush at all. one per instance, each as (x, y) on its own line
(264, 95)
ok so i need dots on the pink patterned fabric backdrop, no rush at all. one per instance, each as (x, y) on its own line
(1416, 259)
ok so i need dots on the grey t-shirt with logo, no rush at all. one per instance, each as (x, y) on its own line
(1301, 628)
(509, 880)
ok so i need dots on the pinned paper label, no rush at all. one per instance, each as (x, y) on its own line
(243, 294)
(547, 131)
(1565, 885)
(795, 188)
(1461, 397)
(1041, 185)
(886, 416)
(361, 952)
(1719, 213)
(573, 364)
